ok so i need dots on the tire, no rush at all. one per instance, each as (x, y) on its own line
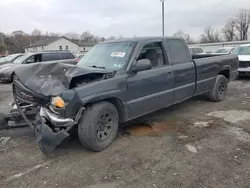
(219, 90)
(98, 126)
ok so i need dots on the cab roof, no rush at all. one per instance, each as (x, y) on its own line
(139, 39)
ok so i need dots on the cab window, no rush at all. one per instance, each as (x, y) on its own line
(153, 52)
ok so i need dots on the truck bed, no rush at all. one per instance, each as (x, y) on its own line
(207, 67)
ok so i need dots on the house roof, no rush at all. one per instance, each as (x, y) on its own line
(44, 42)
(47, 41)
(87, 44)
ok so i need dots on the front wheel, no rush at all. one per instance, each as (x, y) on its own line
(98, 126)
(219, 90)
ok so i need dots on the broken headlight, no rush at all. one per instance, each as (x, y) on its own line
(57, 105)
(57, 102)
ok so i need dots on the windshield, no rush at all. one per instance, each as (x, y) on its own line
(112, 56)
(20, 59)
(244, 50)
(222, 50)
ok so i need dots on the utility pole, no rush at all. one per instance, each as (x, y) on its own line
(1, 38)
(163, 17)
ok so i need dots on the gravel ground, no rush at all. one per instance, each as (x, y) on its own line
(194, 144)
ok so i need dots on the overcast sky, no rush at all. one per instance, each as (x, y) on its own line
(116, 17)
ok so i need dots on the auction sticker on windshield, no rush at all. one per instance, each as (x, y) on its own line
(118, 54)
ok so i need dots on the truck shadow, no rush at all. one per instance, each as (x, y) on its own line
(153, 124)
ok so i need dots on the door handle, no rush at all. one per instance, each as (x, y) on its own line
(168, 74)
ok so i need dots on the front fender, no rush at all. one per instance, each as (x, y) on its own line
(102, 96)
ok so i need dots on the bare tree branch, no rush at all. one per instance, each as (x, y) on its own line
(185, 36)
(242, 22)
(210, 35)
(229, 30)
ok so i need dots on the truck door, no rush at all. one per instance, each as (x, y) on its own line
(183, 68)
(152, 89)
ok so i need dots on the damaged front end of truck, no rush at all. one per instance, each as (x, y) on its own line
(51, 89)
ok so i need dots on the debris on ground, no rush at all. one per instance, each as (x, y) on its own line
(237, 159)
(239, 133)
(4, 140)
(191, 148)
(182, 137)
(202, 124)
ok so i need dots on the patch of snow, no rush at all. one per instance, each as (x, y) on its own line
(232, 116)
(191, 148)
(202, 124)
(239, 133)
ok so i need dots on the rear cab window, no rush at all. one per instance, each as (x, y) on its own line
(178, 51)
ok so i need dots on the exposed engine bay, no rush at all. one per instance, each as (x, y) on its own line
(90, 78)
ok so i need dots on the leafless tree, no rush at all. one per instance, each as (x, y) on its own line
(210, 35)
(111, 38)
(229, 31)
(52, 34)
(87, 36)
(185, 36)
(19, 39)
(102, 39)
(36, 32)
(242, 22)
(2, 49)
(18, 33)
(72, 36)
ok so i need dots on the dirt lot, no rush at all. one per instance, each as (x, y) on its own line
(194, 144)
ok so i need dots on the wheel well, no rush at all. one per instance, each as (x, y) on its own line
(119, 106)
(225, 73)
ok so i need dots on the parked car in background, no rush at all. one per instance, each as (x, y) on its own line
(80, 56)
(9, 58)
(196, 50)
(6, 70)
(117, 81)
(224, 50)
(243, 53)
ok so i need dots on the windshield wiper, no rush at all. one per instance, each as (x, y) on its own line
(98, 67)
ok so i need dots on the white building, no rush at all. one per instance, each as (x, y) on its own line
(85, 46)
(210, 47)
(59, 43)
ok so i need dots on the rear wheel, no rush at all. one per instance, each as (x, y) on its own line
(98, 126)
(219, 90)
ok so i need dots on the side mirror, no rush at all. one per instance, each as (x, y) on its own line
(141, 65)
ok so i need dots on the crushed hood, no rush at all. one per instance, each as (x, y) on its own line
(51, 79)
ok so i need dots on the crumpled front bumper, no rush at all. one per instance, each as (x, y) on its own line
(51, 130)
(47, 139)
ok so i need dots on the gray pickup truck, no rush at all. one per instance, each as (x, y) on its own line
(117, 81)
